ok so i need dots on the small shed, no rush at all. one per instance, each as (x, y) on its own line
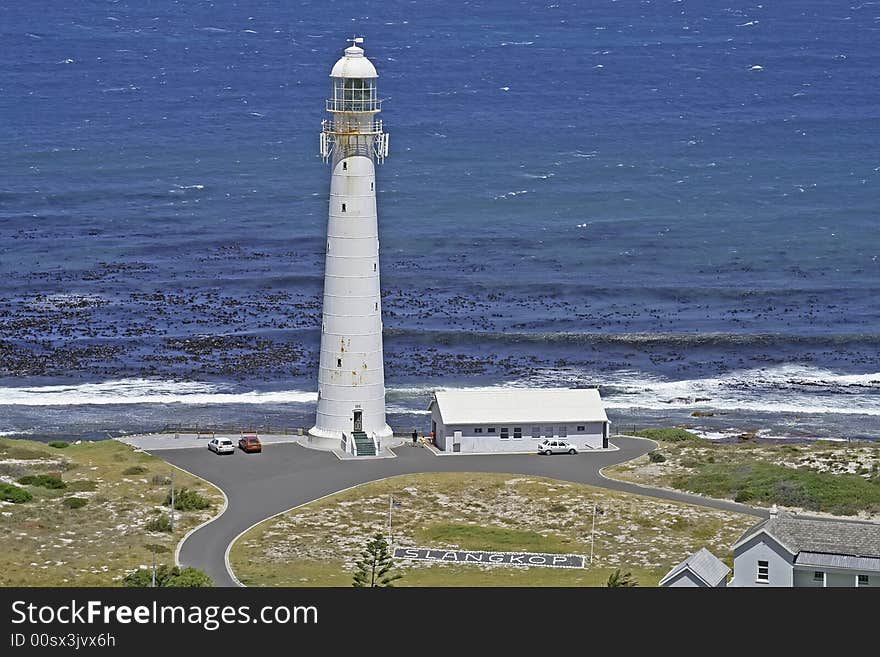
(701, 570)
(517, 419)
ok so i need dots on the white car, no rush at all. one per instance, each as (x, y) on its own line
(221, 446)
(556, 446)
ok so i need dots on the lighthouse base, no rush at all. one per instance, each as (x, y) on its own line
(327, 439)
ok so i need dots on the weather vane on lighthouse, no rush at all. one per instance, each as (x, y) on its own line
(351, 375)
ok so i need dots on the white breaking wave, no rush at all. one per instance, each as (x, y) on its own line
(145, 391)
(784, 389)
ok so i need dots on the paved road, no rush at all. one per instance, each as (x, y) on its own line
(287, 475)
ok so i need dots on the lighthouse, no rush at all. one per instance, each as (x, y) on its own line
(351, 376)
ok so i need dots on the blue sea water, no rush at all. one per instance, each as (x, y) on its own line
(676, 201)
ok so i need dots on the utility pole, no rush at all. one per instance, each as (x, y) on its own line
(172, 501)
(390, 504)
(593, 534)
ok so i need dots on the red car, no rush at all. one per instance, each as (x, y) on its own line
(250, 444)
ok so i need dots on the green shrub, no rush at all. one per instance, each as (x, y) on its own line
(668, 435)
(159, 524)
(558, 508)
(743, 496)
(82, 485)
(59, 444)
(168, 576)
(160, 480)
(768, 483)
(74, 502)
(12, 493)
(43, 480)
(135, 470)
(189, 578)
(186, 499)
(656, 457)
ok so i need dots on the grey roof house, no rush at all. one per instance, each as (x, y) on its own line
(791, 551)
(702, 569)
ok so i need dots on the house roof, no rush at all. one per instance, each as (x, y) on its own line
(520, 405)
(856, 539)
(702, 563)
(820, 559)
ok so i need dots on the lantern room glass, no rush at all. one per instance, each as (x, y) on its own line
(354, 95)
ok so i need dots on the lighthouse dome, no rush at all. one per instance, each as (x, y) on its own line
(354, 65)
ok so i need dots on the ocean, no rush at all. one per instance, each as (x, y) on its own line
(674, 201)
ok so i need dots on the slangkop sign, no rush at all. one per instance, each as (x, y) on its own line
(492, 558)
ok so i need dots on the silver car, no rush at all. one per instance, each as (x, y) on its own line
(221, 446)
(556, 446)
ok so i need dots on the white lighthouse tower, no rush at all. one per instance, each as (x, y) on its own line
(351, 377)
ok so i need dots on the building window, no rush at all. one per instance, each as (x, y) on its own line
(343, 207)
(376, 306)
(863, 580)
(490, 430)
(374, 266)
(763, 571)
(582, 428)
(548, 431)
(338, 362)
(818, 576)
(536, 432)
(563, 432)
(345, 166)
(505, 433)
(517, 433)
(319, 394)
(478, 430)
(371, 187)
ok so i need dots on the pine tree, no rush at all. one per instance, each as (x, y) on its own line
(616, 580)
(375, 564)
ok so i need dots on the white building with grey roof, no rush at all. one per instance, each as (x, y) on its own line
(517, 419)
(791, 551)
(702, 569)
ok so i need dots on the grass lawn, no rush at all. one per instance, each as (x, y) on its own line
(46, 542)
(838, 478)
(482, 512)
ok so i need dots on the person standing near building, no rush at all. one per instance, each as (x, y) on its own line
(415, 437)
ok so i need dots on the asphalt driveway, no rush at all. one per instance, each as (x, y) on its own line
(258, 486)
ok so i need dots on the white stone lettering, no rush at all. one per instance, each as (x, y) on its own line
(494, 558)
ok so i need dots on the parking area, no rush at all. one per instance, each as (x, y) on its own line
(153, 442)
